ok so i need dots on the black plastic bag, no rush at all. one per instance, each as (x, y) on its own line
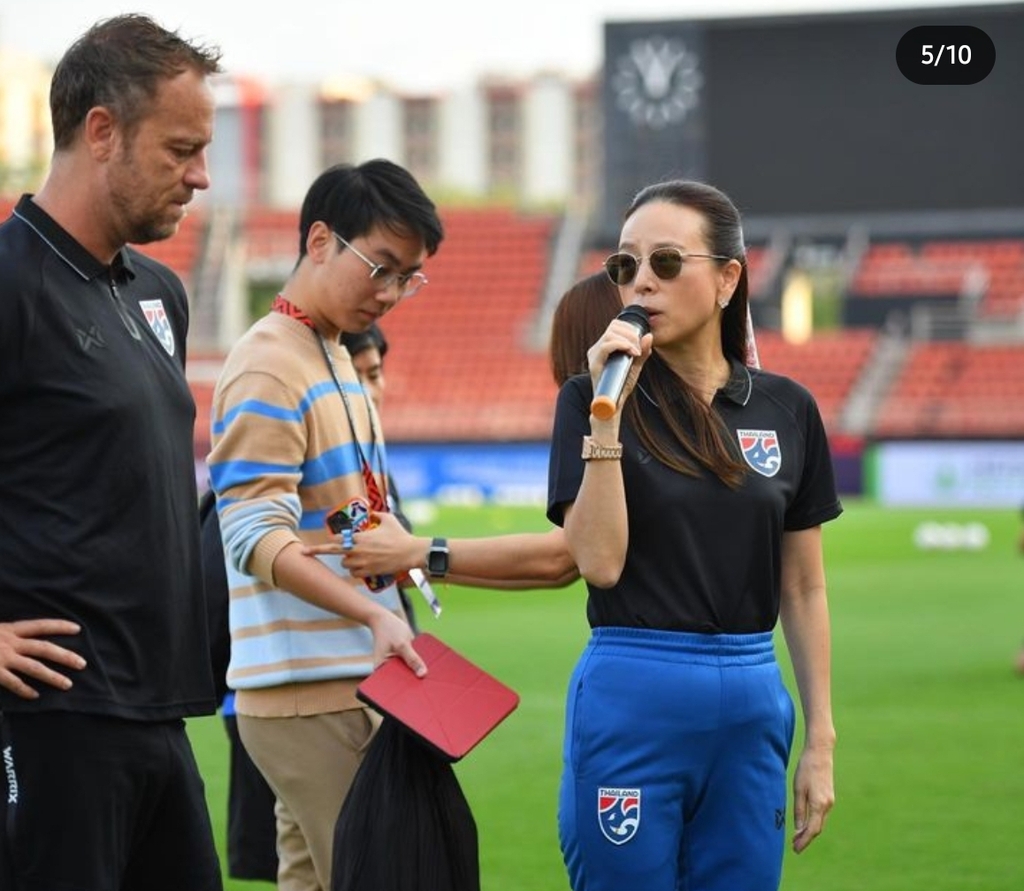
(405, 824)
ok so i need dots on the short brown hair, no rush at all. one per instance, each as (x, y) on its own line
(119, 63)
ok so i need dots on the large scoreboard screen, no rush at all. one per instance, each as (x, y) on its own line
(812, 114)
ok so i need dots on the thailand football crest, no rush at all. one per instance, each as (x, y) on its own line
(156, 315)
(761, 450)
(618, 814)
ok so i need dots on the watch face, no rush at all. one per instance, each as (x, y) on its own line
(657, 82)
(437, 559)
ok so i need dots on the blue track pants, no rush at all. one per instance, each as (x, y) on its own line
(674, 763)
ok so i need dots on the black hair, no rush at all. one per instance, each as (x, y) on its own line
(353, 199)
(371, 338)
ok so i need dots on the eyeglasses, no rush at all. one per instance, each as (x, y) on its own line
(666, 263)
(408, 282)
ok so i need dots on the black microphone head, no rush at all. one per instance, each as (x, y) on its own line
(637, 316)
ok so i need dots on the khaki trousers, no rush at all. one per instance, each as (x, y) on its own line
(310, 763)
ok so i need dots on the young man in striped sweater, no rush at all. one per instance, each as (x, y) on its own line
(294, 438)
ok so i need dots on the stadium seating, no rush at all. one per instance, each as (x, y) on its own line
(271, 233)
(951, 390)
(463, 364)
(946, 268)
(828, 364)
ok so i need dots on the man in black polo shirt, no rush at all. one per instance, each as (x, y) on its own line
(103, 638)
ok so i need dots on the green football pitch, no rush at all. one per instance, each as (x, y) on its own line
(929, 713)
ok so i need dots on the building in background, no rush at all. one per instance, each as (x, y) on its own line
(526, 143)
(26, 137)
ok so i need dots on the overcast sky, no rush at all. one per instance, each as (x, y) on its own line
(410, 44)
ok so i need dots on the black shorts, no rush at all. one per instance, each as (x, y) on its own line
(102, 803)
(252, 826)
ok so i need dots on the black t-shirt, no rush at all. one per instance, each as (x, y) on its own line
(97, 476)
(703, 557)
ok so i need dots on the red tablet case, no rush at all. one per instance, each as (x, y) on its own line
(454, 706)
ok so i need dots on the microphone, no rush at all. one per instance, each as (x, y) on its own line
(616, 369)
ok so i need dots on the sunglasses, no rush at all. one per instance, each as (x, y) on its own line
(666, 263)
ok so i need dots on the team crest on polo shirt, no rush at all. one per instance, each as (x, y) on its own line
(761, 450)
(618, 813)
(156, 315)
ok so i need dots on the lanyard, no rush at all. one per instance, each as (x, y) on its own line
(375, 495)
(379, 501)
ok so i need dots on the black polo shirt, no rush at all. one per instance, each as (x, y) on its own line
(98, 520)
(703, 557)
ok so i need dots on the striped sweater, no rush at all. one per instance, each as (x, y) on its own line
(282, 459)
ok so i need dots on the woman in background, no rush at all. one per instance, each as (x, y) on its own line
(582, 314)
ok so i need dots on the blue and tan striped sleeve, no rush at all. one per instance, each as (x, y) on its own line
(259, 448)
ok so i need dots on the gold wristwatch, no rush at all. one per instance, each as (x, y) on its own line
(594, 452)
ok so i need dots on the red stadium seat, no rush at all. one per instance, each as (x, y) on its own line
(957, 389)
(943, 268)
(829, 365)
(462, 365)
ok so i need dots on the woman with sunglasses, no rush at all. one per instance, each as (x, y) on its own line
(694, 514)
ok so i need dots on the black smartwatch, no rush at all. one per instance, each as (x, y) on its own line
(437, 558)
